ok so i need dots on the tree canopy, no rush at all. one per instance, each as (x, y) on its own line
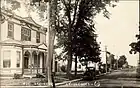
(135, 46)
(83, 30)
(122, 60)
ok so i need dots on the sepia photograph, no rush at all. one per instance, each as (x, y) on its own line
(69, 44)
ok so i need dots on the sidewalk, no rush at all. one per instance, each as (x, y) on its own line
(38, 86)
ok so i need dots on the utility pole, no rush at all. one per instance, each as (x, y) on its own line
(117, 62)
(106, 57)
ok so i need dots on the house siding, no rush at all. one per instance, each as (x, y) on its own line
(4, 30)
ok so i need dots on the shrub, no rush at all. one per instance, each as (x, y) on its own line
(17, 76)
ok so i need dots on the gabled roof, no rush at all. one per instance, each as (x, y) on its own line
(26, 19)
(42, 46)
(31, 21)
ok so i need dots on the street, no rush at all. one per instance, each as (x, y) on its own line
(121, 78)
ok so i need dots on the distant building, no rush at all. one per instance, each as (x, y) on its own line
(80, 67)
(23, 45)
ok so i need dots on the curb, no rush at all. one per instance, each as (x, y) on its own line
(58, 84)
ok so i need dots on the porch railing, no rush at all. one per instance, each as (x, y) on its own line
(34, 70)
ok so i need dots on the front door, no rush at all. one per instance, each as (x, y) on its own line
(43, 64)
(26, 62)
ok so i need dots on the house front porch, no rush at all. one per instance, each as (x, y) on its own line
(34, 60)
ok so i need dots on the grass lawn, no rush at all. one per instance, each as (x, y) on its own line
(58, 78)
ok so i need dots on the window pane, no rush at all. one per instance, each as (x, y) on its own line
(10, 34)
(18, 58)
(10, 29)
(6, 63)
(37, 37)
(6, 59)
(29, 35)
(26, 34)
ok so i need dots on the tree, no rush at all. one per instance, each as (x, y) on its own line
(51, 37)
(84, 44)
(10, 5)
(122, 61)
(78, 13)
(135, 46)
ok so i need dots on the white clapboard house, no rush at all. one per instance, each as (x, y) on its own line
(23, 46)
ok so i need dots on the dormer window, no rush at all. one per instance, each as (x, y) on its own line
(10, 30)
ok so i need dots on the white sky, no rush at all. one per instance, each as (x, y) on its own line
(120, 30)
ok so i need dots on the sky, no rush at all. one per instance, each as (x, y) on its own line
(119, 31)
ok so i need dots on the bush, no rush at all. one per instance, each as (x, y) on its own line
(17, 76)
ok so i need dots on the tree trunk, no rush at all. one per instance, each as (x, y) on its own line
(50, 57)
(51, 37)
(69, 55)
(69, 65)
(1, 34)
(70, 46)
(75, 65)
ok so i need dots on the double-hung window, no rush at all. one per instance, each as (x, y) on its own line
(7, 59)
(10, 30)
(25, 34)
(37, 37)
(18, 58)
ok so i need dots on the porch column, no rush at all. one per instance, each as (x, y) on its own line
(31, 57)
(23, 52)
(37, 60)
(41, 60)
(45, 63)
